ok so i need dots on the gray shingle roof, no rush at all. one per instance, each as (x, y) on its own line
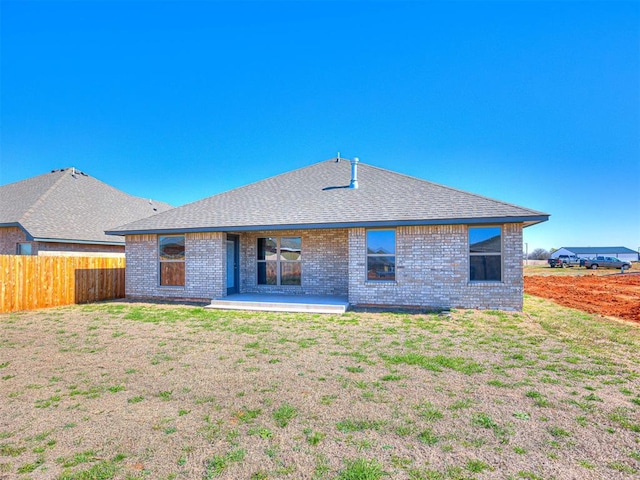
(72, 206)
(315, 197)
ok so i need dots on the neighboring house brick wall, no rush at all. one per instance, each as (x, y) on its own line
(204, 267)
(432, 270)
(324, 262)
(9, 238)
(54, 248)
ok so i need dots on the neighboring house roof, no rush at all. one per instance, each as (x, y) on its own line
(599, 250)
(318, 196)
(70, 206)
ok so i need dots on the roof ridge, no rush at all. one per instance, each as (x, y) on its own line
(43, 197)
(122, 192)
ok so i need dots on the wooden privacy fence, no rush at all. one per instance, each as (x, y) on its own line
(30, 282)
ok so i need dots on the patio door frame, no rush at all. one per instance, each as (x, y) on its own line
(234, 242)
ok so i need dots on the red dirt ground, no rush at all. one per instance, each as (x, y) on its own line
(611, 295)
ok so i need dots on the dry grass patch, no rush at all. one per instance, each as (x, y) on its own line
(123, 391)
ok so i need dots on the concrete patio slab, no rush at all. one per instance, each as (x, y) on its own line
(282, 303)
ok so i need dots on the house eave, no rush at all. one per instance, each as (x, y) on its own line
(31, 238)
(82, 242)
(526, 220)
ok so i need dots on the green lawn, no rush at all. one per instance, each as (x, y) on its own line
(123, 390)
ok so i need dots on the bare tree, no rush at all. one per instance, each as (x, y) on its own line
(539, 254)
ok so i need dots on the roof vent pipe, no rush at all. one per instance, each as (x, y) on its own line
(354, 173)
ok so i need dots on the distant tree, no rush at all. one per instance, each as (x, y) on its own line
(539, 254)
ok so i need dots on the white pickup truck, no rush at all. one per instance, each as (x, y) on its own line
(564, 261)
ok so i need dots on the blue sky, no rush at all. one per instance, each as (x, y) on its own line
(532, 103)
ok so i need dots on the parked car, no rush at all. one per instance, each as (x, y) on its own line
(605, 262)
(564, 261)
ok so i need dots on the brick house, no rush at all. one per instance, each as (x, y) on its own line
(335, 228)
(65, 212)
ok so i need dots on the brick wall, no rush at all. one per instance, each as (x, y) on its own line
(9, 238)
(141, 278)
(80, 249)
(205, 271)
(324, 265)
(204, 268)
(324, 262)
(432, 270)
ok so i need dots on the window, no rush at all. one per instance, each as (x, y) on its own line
(381, 255)
(280, 261)
(485, 254)
(171, 255)
(24, 249)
